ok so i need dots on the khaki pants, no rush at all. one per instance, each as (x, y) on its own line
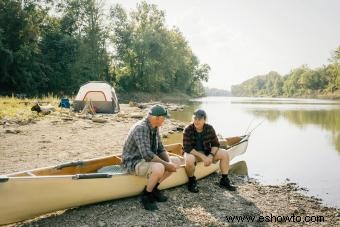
(143, 168)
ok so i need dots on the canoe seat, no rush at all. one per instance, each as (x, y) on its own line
(111, 169)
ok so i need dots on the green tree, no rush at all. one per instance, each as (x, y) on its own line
(57, 45)
(273, 84)
(59, 51)
(21, 28)
(83, 20)
(333, 71)
(149, 56)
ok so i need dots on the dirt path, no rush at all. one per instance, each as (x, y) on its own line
(63, 137)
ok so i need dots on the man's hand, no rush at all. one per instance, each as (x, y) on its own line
(170, 167)
(207, 161)
(176, 165)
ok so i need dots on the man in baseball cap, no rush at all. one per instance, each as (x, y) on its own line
(144, 155)
(201, 144)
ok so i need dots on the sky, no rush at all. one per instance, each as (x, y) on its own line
(240, 39)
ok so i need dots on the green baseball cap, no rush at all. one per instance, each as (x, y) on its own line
(158, 110)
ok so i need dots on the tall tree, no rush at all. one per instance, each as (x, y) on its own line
(21, 29)
(149, 56)
(334, 71)
(84, 21)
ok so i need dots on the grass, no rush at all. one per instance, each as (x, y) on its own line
(20, 109)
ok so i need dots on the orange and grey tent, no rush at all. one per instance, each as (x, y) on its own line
(101, 96)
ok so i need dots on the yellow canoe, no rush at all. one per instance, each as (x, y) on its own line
(27, 194)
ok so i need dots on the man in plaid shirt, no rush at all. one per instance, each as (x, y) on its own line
(144, 155)
(201, 144)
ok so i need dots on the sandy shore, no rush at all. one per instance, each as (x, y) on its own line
(63, 136)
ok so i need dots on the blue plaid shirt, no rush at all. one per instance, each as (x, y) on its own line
(142, 142)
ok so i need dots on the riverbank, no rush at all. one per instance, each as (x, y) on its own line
(335, 95)
(66, 136)
(332, 96)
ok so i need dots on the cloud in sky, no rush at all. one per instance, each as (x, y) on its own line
(240, 39)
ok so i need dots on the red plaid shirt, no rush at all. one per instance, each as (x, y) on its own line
(209, 138)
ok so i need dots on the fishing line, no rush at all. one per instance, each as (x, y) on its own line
(249, 125)
(256, 127)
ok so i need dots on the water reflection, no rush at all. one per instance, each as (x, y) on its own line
(324, 114)
(325, 119)
(186, 114)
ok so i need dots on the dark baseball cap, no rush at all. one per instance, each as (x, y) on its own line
(159, 110)
(199, 113)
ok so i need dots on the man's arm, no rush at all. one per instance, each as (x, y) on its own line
(214, 139)
(142, 139)
(170, 167)
(164, 156)
(214, 150)
(198, 154)
(187, 141)
(206, 159)
(215, 144)
(160, 146)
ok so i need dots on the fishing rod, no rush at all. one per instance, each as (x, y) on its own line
(256, 127)
(245, 132)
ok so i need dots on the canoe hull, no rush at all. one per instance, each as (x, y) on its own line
(20, 200)
(25, 197)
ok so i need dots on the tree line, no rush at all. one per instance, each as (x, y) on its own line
(300, 82)
(55, 46)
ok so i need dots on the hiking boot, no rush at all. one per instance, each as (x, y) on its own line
(158, 195)
(225, 183)
(192, 185)
(148, 201)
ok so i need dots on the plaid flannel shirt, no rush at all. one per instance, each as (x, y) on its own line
(138, 145)
(209, 138)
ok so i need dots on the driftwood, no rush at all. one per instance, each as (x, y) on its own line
(43, 109)
(99, 120)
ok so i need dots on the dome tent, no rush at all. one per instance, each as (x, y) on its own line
(100, 94)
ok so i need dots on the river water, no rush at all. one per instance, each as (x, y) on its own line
(298, 141)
